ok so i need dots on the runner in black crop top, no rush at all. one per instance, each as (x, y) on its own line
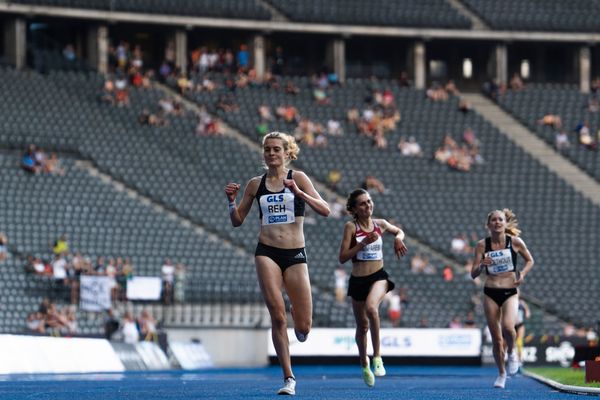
(271, 199)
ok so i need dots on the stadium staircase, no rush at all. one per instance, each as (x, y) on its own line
(536, 147)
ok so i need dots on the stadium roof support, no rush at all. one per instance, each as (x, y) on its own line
(286, 26)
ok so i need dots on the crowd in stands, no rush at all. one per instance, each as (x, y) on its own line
(51, 320)
(65, 269)
(460, 156)
(130, 329)
(36, 161)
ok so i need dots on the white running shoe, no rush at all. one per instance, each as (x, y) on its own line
(289, 387)
(378, 368)
(513, 363)
(500, 381)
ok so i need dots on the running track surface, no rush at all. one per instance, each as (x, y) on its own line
(313, 382)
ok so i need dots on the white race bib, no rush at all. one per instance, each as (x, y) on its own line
(501, 262)
(277, 208)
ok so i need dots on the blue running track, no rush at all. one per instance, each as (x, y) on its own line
(316, 382)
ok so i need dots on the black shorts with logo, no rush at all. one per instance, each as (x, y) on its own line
(283, 257)
(360, 286)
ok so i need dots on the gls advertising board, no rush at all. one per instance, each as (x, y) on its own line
(394, 342)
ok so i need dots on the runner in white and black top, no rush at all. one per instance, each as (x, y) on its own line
(280, 256)
(497, 256)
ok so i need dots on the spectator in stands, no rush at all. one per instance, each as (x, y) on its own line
(147, 326)
(59, 268)
(288, 113)
(168, 277)
(353, 116)
(404, 80)
(569, 329)
(448, 273)
(121, 91)
(36, 322)
(264, 112)
(593, 106)
(111, 273)
(585, 137)
(428, 267)
(278, 61)
(71, 327)
(179, 284)
(470, 320)
(340, 284)
(561, 140)
(107, 93)
(280, 254)
(460, 244)
(551, 120)
(61, 246)
(369, 282)
(516, 83)
(436, 93)
(75, 268)
(129, 329)
(417, 264)
(451, 88)
(207, 124)
(38, 267)
(53, 166)
(410, 147)
(28, 161)
(334, 128)
(243, 58)
(455, 323)
(111, 324)
(595, 86)
(3, 247)
(100, 267)
(494, 88)
(291, 88)
(227, 104)
(262, 128)
(372, 183)
(497, 254)
(394, 305)
(464, 106)
(69, 53)
(56, 321)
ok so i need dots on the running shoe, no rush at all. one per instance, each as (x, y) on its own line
(378, 368)
(289, 386)
(500, 381)
(368, 376)
(513, 363)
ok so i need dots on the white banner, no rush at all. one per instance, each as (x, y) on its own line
(95, 293)
(144, 288)
(394, 342)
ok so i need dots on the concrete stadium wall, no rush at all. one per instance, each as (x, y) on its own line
(237, 347)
